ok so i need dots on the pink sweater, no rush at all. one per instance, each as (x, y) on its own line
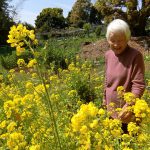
(127, 70)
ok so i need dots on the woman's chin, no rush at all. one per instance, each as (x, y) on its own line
(117, 52)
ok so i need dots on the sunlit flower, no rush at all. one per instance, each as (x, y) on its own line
(84, 129)
(3, 124)
(133, 128)
(11, 126)
(20, 36)
(32, 63)
(21, 63)
(129, 97)
(35, 147)
(94, 124)
(141, 109)
(101, 111)
(72, 93)
(120, 91)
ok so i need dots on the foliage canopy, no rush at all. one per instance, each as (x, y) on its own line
(50, 18)
(135, 12)
(5, 20)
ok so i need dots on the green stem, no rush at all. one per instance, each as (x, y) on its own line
(29, 45)
(51, 112)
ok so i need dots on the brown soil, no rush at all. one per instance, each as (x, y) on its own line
(94, 50)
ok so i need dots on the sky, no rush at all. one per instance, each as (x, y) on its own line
(28, 10)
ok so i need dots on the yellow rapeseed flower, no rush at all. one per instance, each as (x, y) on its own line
(127, 148)
(129, 97)
(16, 139)
(32, 63)
(3, 124)
(72, 93)
(71, 66)
(29, 85)
(19, 50)
(11, 126)
(116, 132)
(120, 91)
(141, 108)
(21, 63)
(1, 77)
(133, 128)
(94, 124)
(101, 112)
(143, 137)
(20, 36)
(53, 78)
(35, 147)
(84, 129)
(34, 75)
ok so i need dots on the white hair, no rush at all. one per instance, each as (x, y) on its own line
(118, 25)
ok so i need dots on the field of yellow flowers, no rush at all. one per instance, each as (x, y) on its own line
(42, 110)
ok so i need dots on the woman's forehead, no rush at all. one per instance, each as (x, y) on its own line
(117, 35)
(117, 32)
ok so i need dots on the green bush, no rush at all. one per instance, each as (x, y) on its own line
(52, 55)
(87, 27)
(9, 61)
(5, 50)
(27, 55)
(98, 31)
(147, 58)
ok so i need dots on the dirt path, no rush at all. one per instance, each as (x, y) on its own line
(95, 50)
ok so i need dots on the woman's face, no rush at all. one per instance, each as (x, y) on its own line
(117, 42)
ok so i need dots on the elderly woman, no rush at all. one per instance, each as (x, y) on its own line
(124, 67)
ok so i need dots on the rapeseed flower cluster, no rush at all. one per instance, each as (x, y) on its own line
(25, 109)
(32, 63)
(106, 133)
(21, 63)
(20, 37)
(141, 109)
(94, 129)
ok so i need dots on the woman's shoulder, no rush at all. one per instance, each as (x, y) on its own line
(108, 52)
(134, 52)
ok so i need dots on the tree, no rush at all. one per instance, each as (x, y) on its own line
(80, 13)
(129, 10)
(28, 26)
(5, 20)
(50, 18)
(68, 19)
(95, 16)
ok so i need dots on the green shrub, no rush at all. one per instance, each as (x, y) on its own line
(98, 31)
(84, 83)
(5, 50)
(87, 27)
(27, 55)
(147, 58)
(9, 61)
(57, 51)
(52, 55)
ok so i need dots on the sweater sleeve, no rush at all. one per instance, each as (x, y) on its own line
(137, 76)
